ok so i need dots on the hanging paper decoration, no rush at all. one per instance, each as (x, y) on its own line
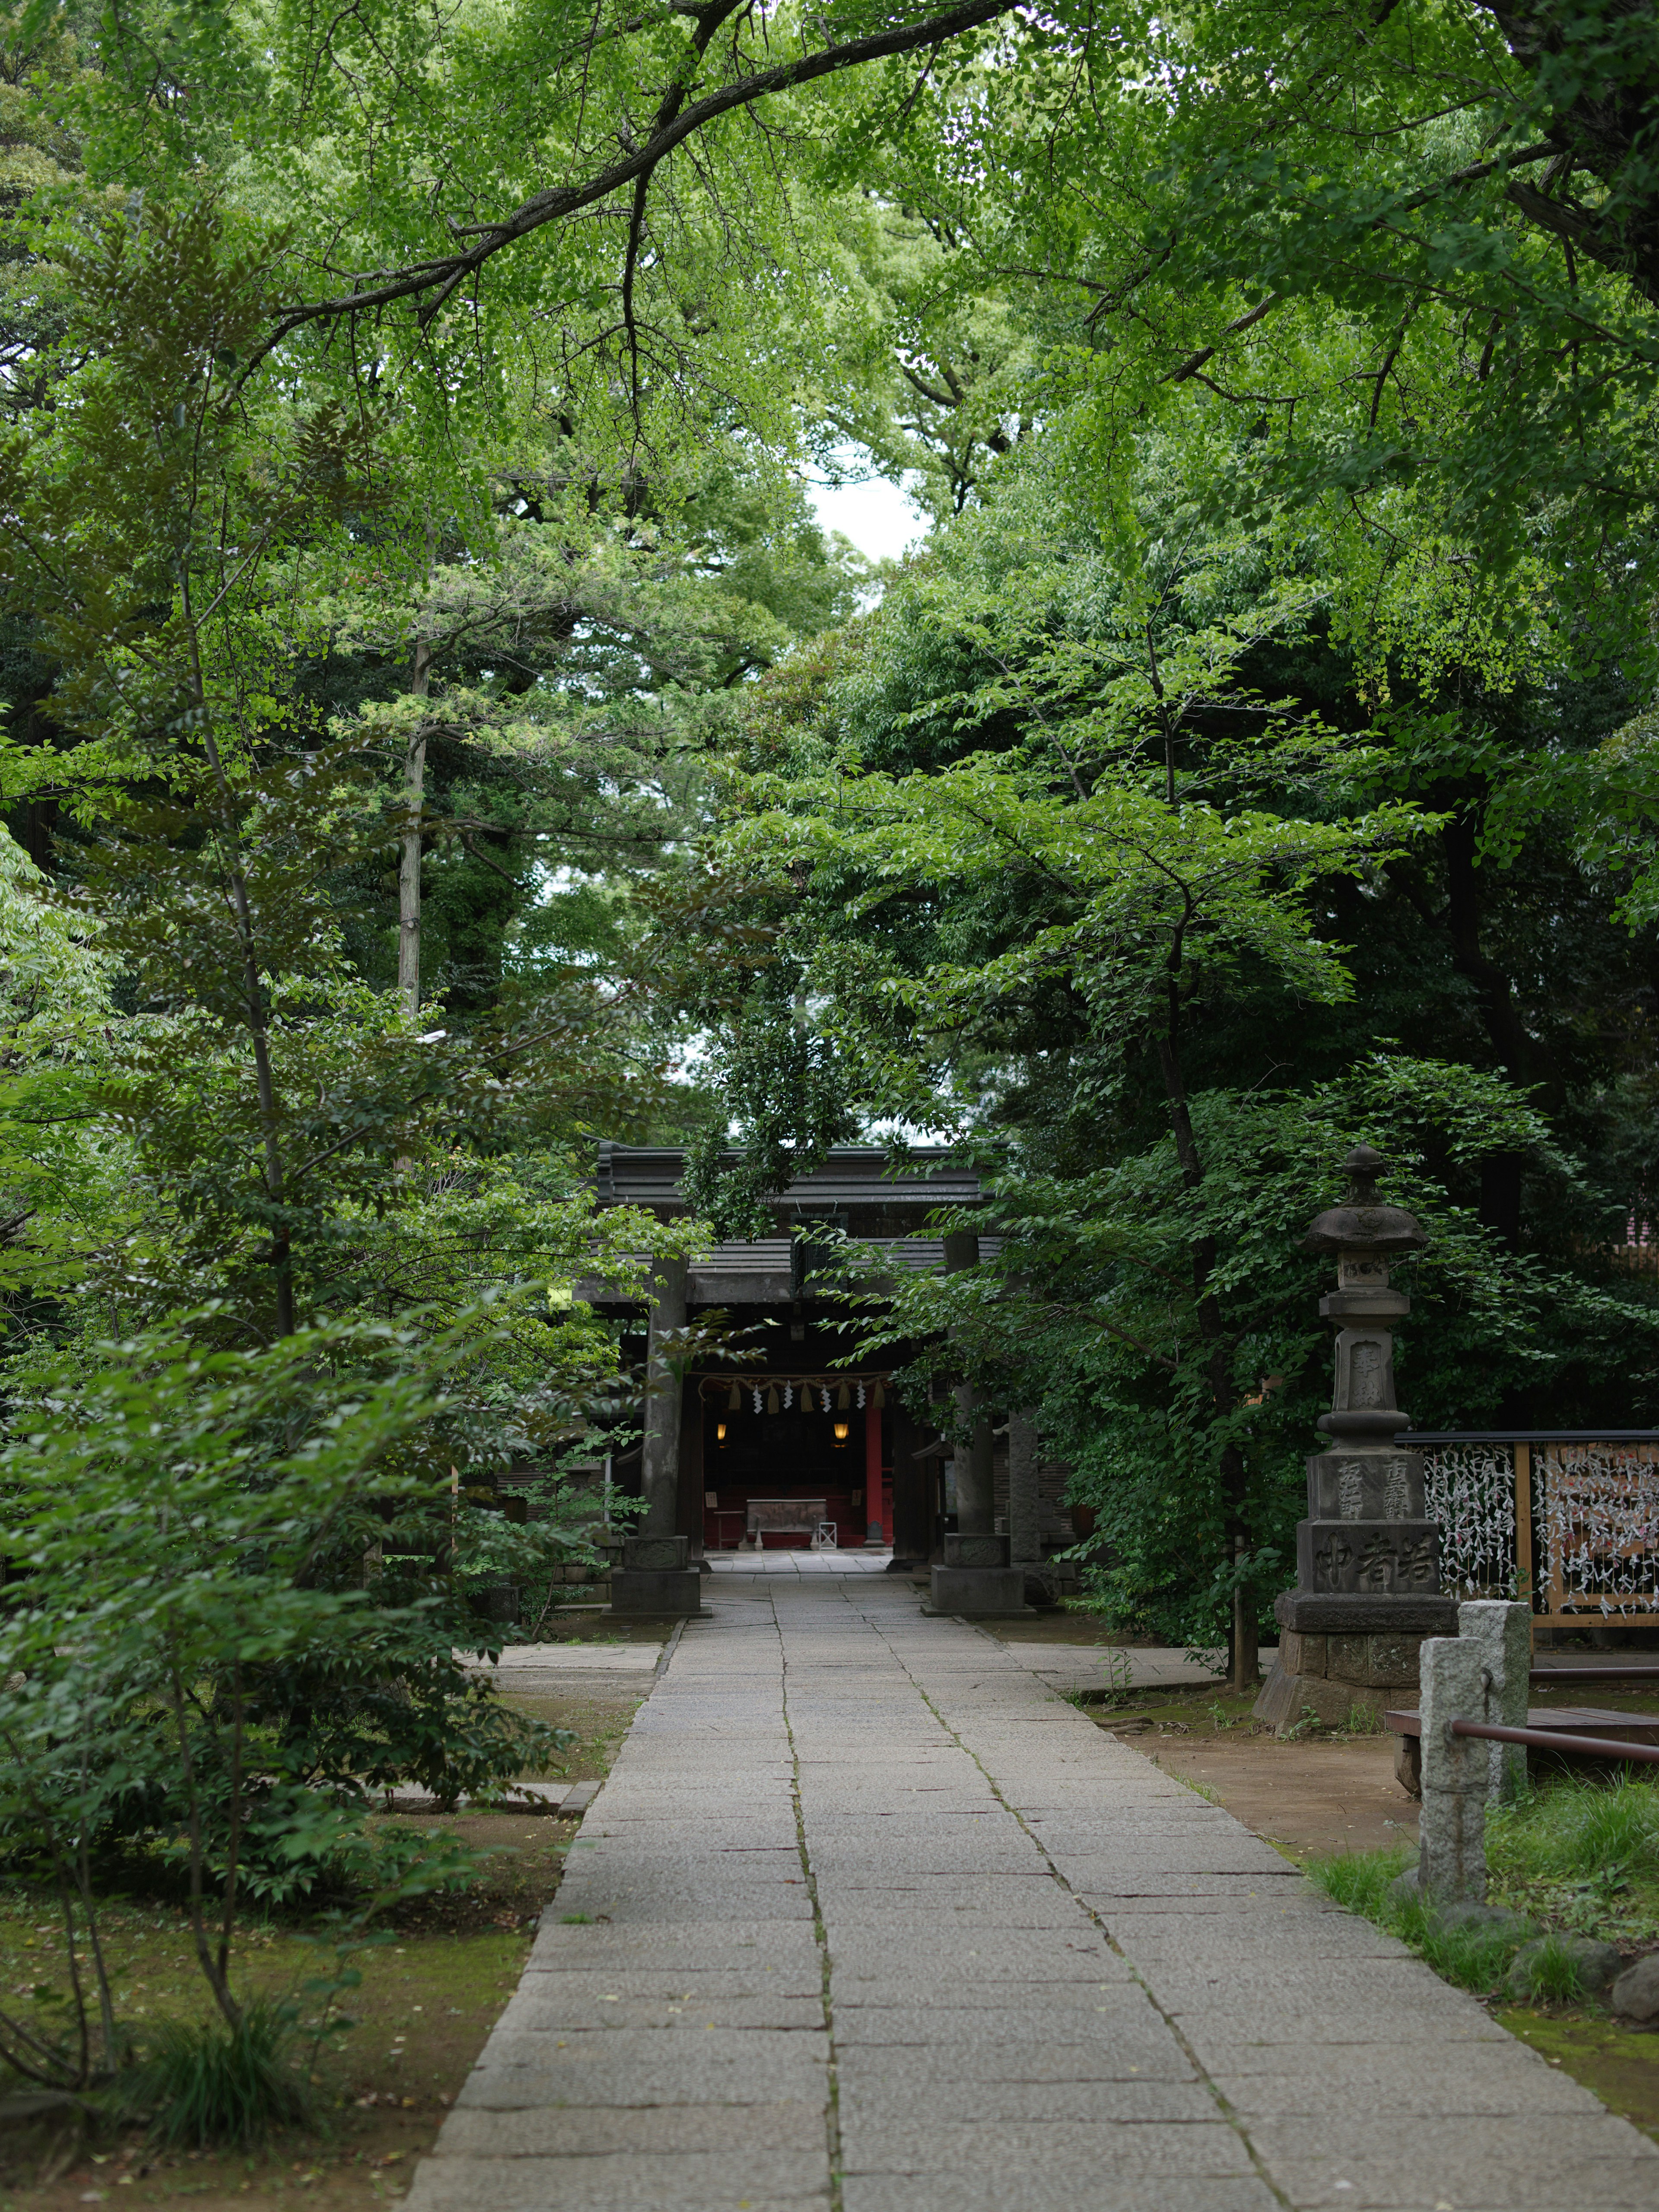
(757, 1399)
(823, 1396)
(860, 1397)
(788, 1393)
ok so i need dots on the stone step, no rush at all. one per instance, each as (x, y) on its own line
(557, 1801)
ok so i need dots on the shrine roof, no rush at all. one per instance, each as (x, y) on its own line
(854, 1179)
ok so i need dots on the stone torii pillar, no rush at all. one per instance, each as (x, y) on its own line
(1024, 1507)
(1368, 1557)
(654, 1577)
(979, 1576)
(659, 1450)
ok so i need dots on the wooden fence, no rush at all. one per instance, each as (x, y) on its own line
(1566, 1519)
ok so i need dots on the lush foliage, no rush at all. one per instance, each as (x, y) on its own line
(438, 734)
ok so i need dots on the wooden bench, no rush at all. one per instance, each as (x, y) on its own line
(1564, 1720)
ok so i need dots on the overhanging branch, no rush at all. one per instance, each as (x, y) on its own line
(440, 276)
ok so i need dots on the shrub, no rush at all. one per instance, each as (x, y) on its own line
(1547, 1971)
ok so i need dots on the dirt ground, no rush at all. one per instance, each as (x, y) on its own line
(1308, 1798)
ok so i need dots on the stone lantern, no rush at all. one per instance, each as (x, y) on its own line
(1367, 1556)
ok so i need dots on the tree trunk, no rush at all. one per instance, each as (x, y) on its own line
(1213, 1331)
(1518, 1052)
(408, 862)
(1246, 1667)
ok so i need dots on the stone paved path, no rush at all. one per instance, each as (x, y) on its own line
(874, 1921)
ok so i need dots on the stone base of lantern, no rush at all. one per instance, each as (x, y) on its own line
(1340, 1655)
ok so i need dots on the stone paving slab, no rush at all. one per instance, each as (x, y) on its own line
(1008, 2188)
(871, 1920)
(1122, 2149)
(588, 2131)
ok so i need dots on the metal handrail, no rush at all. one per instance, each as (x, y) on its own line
(1598, 1746)
(1591, 1674)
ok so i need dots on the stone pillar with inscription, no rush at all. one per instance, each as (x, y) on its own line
(1368, 1566)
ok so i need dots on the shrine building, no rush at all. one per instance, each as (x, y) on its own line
(798, 1440)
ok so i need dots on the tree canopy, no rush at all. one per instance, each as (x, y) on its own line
(439, 731)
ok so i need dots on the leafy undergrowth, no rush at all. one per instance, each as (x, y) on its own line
(375, 2092)
(426, 2004)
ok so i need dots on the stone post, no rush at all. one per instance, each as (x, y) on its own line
(979, 1576)
(1451, 1862)
(875, 1527)
(1501, 1632)
(976, 1482)
(1368, 1557)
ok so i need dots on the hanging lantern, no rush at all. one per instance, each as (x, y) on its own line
(720, 1434)
(843, 1429)
(772, 1400)
(843, 1399)
(734, 1403)
(881, 1396)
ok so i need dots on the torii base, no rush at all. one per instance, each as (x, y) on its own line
(978, 1581)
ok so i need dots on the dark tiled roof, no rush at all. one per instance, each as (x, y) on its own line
(758, 1274)
(854, 1178)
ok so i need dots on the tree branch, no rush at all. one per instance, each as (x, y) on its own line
(439, 276)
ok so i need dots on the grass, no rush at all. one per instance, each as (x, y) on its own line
(1575, 1856)
(1476, 1958)
(207, 2083)
(1582, 1852)
(1549, 1972)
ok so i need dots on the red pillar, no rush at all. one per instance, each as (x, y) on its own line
(878, 1529)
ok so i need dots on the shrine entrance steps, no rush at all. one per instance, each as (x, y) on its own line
(867, 1919)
